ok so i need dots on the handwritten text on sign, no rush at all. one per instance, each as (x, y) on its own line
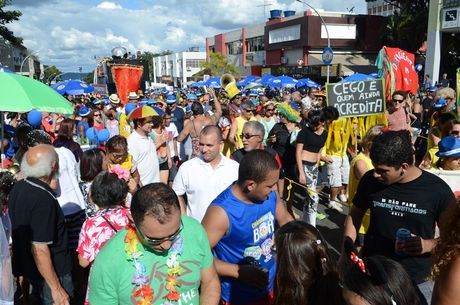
(357, 98)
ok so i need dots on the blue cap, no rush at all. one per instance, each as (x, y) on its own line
(84, 111)
(440, 103)
(155, 92)
(253, 92)
(106, 101)
(188, 108)
(164, 91)
(449, 147)
(97, 102)
(171, 99)
(151, 101)
(191, 97)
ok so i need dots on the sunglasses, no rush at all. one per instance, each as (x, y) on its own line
(270, 109)
(247, 136)
(96, 114)
(156, 242)
(398, 101)
(250, 110)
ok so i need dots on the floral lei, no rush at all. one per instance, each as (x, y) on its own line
(140, 278)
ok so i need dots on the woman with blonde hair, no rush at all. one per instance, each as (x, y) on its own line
(360, 165)
(446, 267)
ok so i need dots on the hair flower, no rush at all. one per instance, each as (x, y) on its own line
(122, 174)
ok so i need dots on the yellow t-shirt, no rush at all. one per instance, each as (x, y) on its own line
(125, 128)
(239, 130)
(128, 164)
(353, 187)
(339, 133)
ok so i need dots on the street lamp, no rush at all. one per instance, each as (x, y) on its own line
(24, 60)
(327, 32)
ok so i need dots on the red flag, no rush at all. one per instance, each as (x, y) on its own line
(127, 78)
(402, 62)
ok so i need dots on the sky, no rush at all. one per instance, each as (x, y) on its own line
(70, 33)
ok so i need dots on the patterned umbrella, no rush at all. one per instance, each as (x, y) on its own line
(142, 112)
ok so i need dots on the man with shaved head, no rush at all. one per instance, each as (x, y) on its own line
(204, 177)
(40, 251)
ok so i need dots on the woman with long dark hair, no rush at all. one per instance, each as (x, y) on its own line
(65, 138)
(306, 274)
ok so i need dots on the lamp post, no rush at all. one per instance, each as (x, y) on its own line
(327, 32)
(24, 60)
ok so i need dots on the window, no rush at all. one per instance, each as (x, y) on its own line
(193, 63)
(255, 44)
(235, 47)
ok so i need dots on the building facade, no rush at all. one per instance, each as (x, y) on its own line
(293, 45)
(177, 68)
(12, 57)
(380, 8)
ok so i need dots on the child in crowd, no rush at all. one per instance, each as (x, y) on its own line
(119, 160)
(109, 193)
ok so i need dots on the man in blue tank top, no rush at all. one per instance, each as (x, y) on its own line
(240, 224)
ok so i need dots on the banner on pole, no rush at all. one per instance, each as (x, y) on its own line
(361, 98)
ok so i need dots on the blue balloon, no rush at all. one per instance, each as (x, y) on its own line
(129, 107)
(34, 118)
(103, 135)
(91, 134)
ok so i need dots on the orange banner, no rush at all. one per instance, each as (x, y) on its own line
(405, 76)
(127, 78)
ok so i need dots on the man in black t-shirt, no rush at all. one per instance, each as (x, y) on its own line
(400, 195)
(40, 251)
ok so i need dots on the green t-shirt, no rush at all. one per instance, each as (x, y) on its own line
(110, 280)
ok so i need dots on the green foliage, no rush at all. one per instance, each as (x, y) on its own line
(8, 17)
(218, 65)
(50, 73)
(88, 78)
(406, 29)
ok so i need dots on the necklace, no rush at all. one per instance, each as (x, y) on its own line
(140, 278)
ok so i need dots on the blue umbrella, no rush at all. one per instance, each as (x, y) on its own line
(356, 78)
(5, 70)
(73, 87)
(266, 78)
(282, 82)
(213, 82)
(306, 82)
(197, 84)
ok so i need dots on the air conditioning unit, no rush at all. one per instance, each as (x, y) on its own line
(284, 60)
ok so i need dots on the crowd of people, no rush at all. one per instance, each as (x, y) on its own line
(184, 197)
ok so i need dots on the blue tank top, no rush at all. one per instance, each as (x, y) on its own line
(250, 235)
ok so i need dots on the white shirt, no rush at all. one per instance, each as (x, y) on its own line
(172, 134)
(144, 154)
(202, 183)
(69, 195)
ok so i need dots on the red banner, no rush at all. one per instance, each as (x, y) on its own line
(127, 78)
(402, 62)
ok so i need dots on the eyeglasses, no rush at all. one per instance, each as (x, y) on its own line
(156, 242)
(250, 110)
(270, 109)
(247, 136)
(398, 101)
(96, 114)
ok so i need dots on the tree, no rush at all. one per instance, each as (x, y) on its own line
(218, 65)
(50, 73)
(89, 77)
(8, 17)
(407, 27)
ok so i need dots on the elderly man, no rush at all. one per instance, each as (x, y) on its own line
(203, 178)
(40, 251)
(162, 258)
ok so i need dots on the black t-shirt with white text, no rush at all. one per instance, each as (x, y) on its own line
(415, 205)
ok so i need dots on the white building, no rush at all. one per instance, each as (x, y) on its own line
(177, 68)
(381, 8)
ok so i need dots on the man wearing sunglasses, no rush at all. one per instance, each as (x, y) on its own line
(171, 260)
(236, 129)
(395, 114)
